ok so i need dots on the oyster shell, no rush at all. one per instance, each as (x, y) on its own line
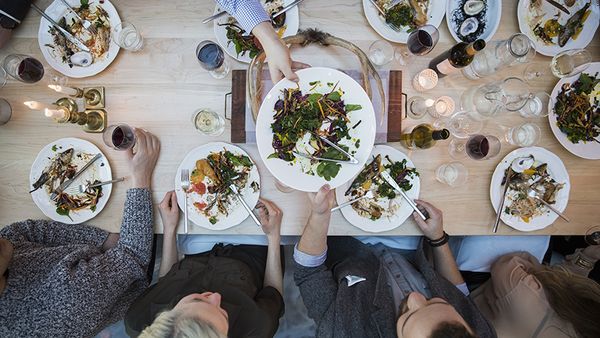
(469, 26)
(473, 7)
(521, 164)
(82, 59)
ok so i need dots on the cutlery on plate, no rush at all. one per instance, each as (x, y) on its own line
(283, 10)
(559, 6)
(67, 35)
(310, 157)
(351, 159)
(83, 187)
(185, 185)
(382, 12)
(369, 194)
(413, 205)
(86, 24)
(67, 183)
(246, 206)
(508, 173)
(533, 193)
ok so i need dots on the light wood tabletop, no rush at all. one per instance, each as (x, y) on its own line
(160, 87)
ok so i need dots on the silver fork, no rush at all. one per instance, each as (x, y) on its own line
(185, 184)
(86, 24)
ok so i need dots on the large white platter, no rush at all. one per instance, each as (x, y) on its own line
(384, 223)
(586, 36)
(100, 170)
(237, 213)
(292, 24)
(435, 14)
(588, 150)
(492, 18)
(291, 174)
(56, 11)
(556, 169)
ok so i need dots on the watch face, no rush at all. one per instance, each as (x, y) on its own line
(7, 23)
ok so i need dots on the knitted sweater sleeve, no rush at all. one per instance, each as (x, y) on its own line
(51, 233)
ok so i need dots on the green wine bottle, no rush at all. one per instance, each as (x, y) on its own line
(423, 136)
(459, 56)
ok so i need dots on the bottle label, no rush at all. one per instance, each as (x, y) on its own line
(445, 67)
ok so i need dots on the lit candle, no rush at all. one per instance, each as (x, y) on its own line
(425, 80)
(65, 90)
(441, 106)
(429, 103)
(444, 105)
(57, 114)
(35, 105)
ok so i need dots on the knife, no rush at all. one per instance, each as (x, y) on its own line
(246, 206)
(67, 35)
(509, 173)
(394, 185)
(67, 183)
(559, 6)
(283, 10)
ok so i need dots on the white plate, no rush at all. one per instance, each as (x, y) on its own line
(292, 21)
(435, 14)
(100, 170)
(56, 11)
(292, 175)
(585, 37)
(384, 223)
(237, 212)
(556, 169)
(589, 150)
(492, 18)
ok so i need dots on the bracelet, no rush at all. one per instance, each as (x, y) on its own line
(438, 242)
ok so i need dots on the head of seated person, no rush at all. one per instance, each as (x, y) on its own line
(196, 315)
(430, 318)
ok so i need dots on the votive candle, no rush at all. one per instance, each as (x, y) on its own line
(425, 80)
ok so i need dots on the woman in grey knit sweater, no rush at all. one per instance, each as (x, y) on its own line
(63, 280)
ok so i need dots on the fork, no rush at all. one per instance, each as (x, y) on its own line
(80, 188)
(185, 184)
(86, 24)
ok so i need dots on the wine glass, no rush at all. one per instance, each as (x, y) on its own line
(570, 62)
(127, 37)
(592, 235)
(538, 105)
(422, 40)
(5, 111)
(24, 68)
(462, 124)
(212, 58)
(524, 135)
(119, 137)
(453, 174)
(381, 52)
(208, 122)
(536, 73)
(482, 147)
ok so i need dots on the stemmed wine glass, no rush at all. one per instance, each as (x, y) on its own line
(564, 64)
(420, 42)
(478, 147)
(23, 68)
(119, 137)
(212, 58)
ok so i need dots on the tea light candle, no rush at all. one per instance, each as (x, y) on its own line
(56, 114)
(444, 105)
(425, 80)
(35, 105)
(64, 90)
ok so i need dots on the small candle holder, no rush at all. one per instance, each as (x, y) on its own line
(92, 120)
(94, 97)
(442, 107)
(425, 80)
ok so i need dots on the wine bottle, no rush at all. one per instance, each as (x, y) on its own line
(423, 136)
(456, 57)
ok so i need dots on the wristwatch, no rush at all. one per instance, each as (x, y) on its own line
(7, 23)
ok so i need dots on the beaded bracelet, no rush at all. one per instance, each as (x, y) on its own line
(438, 242)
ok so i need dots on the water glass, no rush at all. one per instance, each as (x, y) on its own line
(462, 124)
(23, 68)
(119, 137)
(537, 105)
(482, 147)
(422, 40)
(212, 58)
(524, 135)
(208, 122)
(536, 73)
(570, 62)
(418, 106)
(5, 111)
(453, 174)
(127, 37)
(381, 52)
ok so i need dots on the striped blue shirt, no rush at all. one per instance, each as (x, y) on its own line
(248, 13)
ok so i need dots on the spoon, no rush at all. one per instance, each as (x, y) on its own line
(369, 194)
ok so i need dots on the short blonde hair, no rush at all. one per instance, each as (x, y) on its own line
(174, 324)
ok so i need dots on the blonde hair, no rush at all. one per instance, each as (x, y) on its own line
(174, 324)
(576, 299)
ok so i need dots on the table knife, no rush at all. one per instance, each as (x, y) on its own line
(559, 6)
(501, 205)
(394, 185)
(67, 35)
(67, 183)
(244, 204)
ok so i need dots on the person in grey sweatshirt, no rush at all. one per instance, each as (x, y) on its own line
(62, 280)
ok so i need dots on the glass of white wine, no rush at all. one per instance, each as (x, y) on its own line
(570, 62)
(208, 122)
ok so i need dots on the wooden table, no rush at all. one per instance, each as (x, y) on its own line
(160, 87)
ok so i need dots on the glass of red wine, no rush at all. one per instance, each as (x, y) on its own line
(23, 68)
(482, 147)
(119, 137)
(212, 58)
(422, 40)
